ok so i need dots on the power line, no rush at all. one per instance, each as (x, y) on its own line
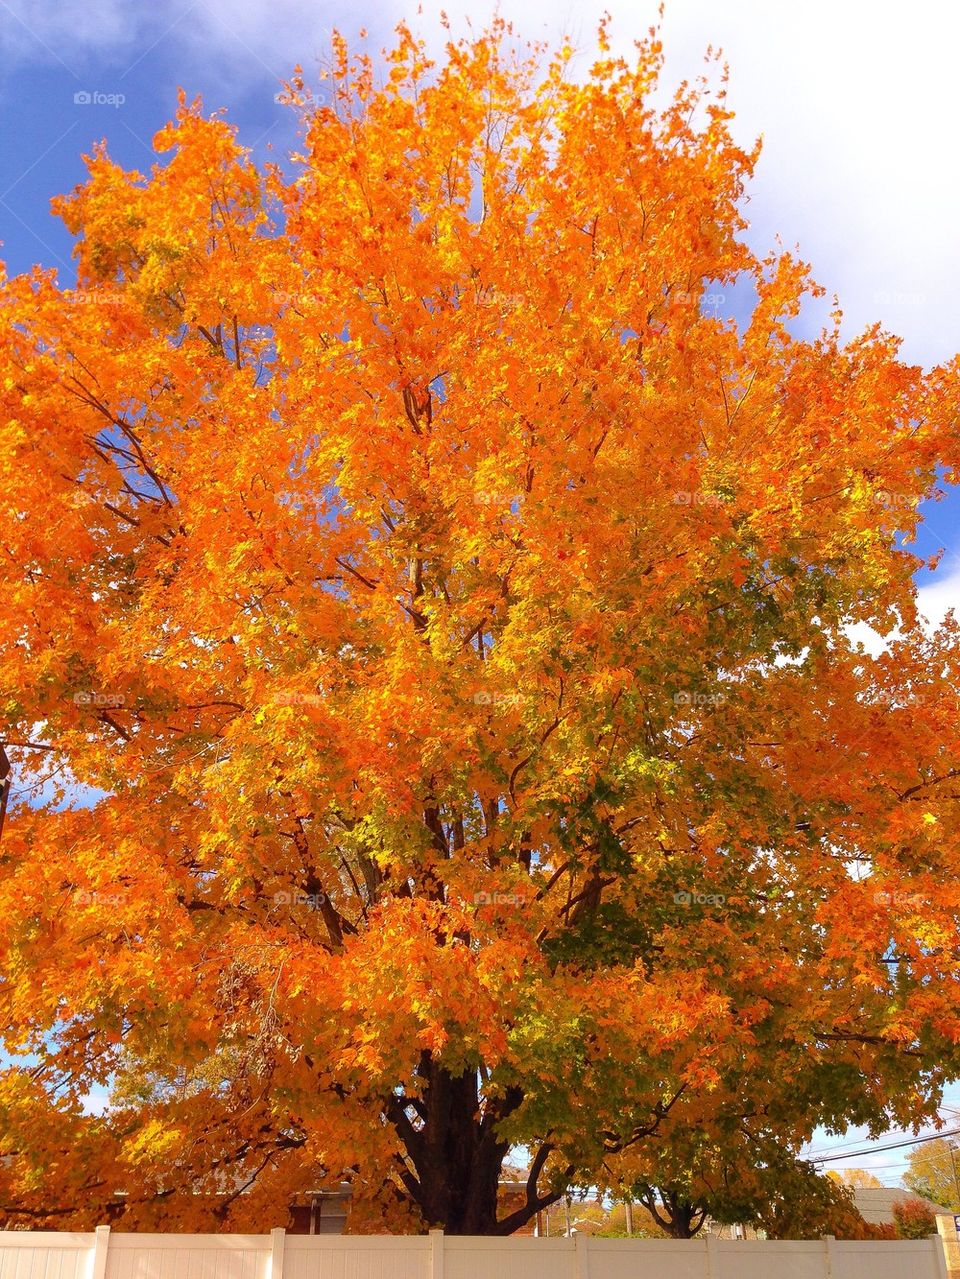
(892, 1145)
(852, 1150)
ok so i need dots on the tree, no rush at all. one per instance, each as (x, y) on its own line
(808, 1205)
(855, 1178)
(677, 1215)
(774, 1191)
(933, 1170)
(446, 612)
(914, 1219)
(749, 1178)
(610, 1221)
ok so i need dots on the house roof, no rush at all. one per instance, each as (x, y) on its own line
(875, 1203)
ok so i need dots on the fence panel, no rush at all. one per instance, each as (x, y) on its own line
(645, 1259)
(479, 1257)
(40, 1254)
(872, 1260)
(162, 1256)
(784, 1259)
(356, 1257)
(106, 1255)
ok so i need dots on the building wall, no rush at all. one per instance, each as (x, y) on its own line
(951, 1245)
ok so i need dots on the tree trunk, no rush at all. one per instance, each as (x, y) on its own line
(455, 1154)
(680, 1218)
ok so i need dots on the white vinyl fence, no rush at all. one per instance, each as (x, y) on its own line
(49, 1255)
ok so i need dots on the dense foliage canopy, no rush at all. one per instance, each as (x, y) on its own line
(444, 613)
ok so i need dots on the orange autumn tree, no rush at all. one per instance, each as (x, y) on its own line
(443, 614)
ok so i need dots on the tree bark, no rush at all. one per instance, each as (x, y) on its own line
(456, 1155)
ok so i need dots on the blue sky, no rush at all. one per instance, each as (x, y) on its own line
(855, 99)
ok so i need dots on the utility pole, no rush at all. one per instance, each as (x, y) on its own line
(952, 1147)
(956, 1179)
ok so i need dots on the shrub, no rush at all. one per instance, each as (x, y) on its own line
(914, 1220)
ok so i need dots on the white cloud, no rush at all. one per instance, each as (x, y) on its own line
(67, 31)
(243, 41)
(862, 633)
(95, 1103)
(935, 599)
